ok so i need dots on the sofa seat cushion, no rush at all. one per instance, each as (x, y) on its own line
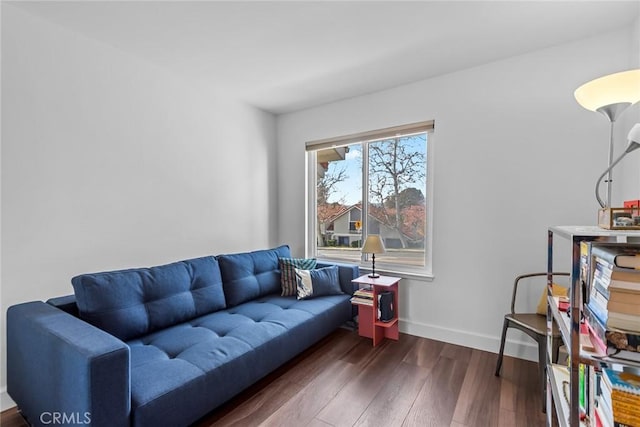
(135, 302)
(236, 346)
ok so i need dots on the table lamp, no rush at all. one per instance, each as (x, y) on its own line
(373, 245)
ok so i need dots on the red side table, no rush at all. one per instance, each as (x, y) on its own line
(368, 323)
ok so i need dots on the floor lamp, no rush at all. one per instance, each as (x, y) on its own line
(610, 95)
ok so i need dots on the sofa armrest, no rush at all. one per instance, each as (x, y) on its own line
(346, 272)
(60, 367)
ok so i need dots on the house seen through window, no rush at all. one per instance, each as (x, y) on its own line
(372, 183)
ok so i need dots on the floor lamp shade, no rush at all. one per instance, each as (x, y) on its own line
(611, 94)
(373, 245)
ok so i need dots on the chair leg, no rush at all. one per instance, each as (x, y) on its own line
(542, 370)
(505, 326)
(557, 343)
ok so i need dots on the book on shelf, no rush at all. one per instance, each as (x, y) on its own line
(614, 301)
(621, 255)
(363, 293)
(621, 295)
(625, 421)
(623, 418)
(613, 306)
(620, 395)
(596, 329)
(604, 409)
(362, 301)
(363, 296)
(627, 322)
(622, 381)
(602, 419)
(623, 307)
(604, 400)
(582, 387)
(625, 407)
(623, 396)
(597, 309)
(611, 277)
(585, 269)
(617, 294)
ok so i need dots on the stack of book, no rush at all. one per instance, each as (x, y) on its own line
(613, 309)
(619, 400)
(363, 296)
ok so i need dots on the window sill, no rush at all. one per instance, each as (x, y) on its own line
(422, 276)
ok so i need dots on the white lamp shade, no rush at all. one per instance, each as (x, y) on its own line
(634, 134)
(373, 245)
(623, 87)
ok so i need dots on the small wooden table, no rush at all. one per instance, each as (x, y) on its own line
(368, 323)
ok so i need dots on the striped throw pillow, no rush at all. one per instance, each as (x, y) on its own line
(288, 280)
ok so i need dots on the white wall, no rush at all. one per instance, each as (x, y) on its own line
(514, 153)
(629, 174)
(108, 162)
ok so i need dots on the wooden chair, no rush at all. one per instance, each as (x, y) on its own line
(535, 326)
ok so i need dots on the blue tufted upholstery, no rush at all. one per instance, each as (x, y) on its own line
(251, 274)
(235, 346)
(190, 341)
(130, 303)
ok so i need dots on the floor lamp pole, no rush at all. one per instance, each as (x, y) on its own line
(611, 112)
(610, 174)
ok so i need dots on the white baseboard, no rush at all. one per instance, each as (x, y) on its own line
(5, 401)
(518, 349)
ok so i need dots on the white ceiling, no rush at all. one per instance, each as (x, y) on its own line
(289, 55)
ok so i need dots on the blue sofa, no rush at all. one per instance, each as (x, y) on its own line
(163, 346)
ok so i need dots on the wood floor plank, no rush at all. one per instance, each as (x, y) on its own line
(528, 394)
(507, 418)
(436, 402)
(456, 352)
(306, 404)
(364, 387)
(520, 394)
(393, 402)
(308, 367)
(424, 353)
(479, 399)
(363, 352)
(318, 423)
(259, 406)
(507, 385)
(12, 418)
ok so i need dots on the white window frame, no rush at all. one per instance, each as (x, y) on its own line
(426, 272)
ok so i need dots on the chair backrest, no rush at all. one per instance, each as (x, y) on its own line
(517, 280)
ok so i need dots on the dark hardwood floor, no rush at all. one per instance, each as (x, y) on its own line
(344, 381)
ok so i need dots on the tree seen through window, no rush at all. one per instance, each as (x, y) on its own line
(394, 193)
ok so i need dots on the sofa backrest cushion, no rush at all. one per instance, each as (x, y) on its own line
(130, 303)
(249, 275)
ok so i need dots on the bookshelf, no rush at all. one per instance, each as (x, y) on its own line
(368, 324)
(563, 382)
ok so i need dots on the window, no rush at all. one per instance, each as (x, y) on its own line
(372, 183)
